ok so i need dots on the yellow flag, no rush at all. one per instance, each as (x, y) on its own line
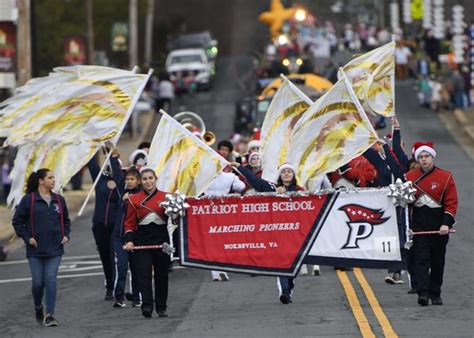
(182, 161)
(373, 76)
(334, 130)
(286, 108)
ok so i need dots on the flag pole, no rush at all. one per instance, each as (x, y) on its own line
(297, 90)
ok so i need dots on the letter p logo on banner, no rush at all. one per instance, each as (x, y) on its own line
(361, 223)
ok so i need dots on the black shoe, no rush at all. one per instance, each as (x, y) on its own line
(413, 291)
(146, 313)
(423, 300)
(285, 299)
(162, 313)
(436, 300)
(109, 295)
(119, 304)
(49, 320)
(39, 315)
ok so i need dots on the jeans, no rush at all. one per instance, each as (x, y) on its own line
(122, 259)
(44, 273)
(285, 285)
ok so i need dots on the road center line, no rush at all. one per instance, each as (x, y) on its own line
(374, 304)
(357, 310)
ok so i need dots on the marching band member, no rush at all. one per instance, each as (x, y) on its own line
(146, 224)
(434, 209)
(41, 220)
(106, 209)
(224, 183)
(286, 183)
(128, 183)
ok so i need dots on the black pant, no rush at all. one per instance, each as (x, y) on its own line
(103, 241)
(429, 252)
(157, 262)
(411, 257)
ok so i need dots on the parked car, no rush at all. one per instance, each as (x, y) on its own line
(189, 67)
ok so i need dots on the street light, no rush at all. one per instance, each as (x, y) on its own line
(300, 14)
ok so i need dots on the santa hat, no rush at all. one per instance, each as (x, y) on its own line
(255, 153)
(286, 166)
(138, 153)
(419, 147)
(253, 144)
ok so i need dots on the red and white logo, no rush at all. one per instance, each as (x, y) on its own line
(361, 223)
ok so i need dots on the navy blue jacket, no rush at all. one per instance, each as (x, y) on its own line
(107, 201)
(386, 167)
(47, 225)
(398, 150)
(259, 184)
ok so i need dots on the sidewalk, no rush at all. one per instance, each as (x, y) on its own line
(466, 120)
(74, 199)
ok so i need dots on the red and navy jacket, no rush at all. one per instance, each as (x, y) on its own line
(436, 199)
(48, 225)
(359, 171)
(107, 201)
(146, 221)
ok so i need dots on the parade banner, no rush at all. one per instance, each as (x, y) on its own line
(274, 234)
(361, 230)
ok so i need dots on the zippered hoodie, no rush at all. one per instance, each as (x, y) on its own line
(48, 225)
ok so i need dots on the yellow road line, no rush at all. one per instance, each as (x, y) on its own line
(359, 314)
(374, 304)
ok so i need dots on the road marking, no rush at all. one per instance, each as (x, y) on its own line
(74, 269)
(374, 304)
(65, 258)
(357, 310)
(4, 281)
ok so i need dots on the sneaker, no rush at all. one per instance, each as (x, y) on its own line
(162, 313)
(436, 300)
(39, 314)
(316, 270)
(285, 299)
(303, 270)
(423, 300)
(397, 278)
(147, 313)
(119, 303)
(223, 277)
(109, 295)
(49, 320)
(136, 303)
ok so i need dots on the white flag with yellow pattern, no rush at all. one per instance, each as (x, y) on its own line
(58, 122)
(286, 108)
(181, 160)
(373, 76)
(334, 130)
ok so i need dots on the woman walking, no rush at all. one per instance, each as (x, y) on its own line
(146, 224)
(42, 221)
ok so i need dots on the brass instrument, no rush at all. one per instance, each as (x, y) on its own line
(193, 122)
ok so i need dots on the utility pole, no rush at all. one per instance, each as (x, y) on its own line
(133, 45)
(149, 33)
(90, 31)
(24, 41)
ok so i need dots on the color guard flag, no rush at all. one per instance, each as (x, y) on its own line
(334, 130)
(372, 77)
(60, 121)
(182, 161)
(286, 108)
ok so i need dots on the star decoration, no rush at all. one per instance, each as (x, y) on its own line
(277, 16)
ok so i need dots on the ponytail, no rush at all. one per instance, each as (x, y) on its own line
(33, 180)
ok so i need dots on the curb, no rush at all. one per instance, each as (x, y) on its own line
(463, 120)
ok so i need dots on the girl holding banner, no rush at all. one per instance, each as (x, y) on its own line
(286, 183)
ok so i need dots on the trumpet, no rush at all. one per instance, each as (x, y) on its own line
(194, 123)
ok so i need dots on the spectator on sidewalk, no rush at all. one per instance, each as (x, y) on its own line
(402, 58)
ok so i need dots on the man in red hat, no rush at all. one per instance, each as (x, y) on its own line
(434, 209)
